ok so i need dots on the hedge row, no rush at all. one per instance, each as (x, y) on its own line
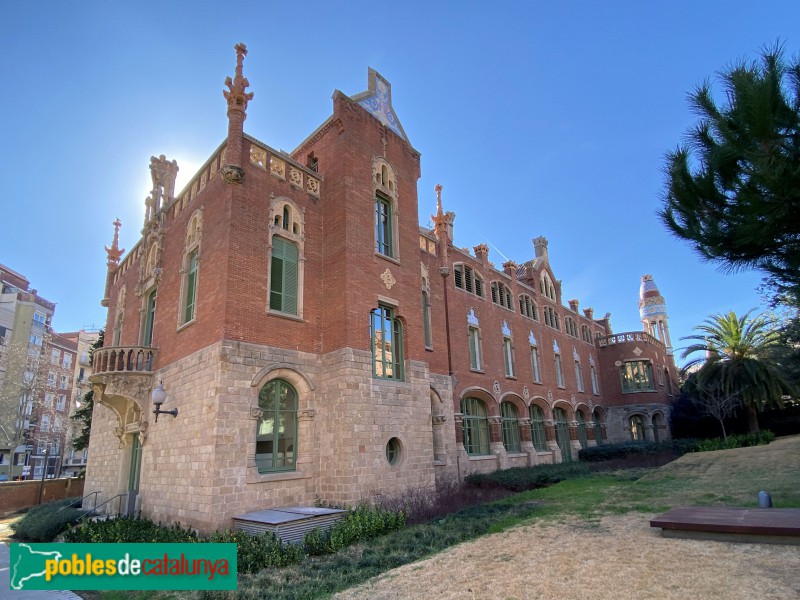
(519, 479)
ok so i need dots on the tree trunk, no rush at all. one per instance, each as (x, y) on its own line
(752, 418)
(724, 433)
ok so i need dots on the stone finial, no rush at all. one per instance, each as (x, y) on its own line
(114, 252)
(573, 305)
(235, 94)
(510, 268)
(589, 313)
(163, 173)
(482, 253)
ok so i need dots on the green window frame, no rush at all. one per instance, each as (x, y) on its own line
(190, 293)
(598, 428)
(149, 319)
(426, 320)
(538, 432)
(637, 376)
(474, 349)
(387, 344)
(562, 434)
(559, 372)
(583, 437)
(638, 431)
(475, 427)
(276, 431)
(537, 376)
(283, 276)
(383, 226)
(508, 357)
(510, 425)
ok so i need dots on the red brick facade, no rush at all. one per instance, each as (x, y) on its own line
(322, 199)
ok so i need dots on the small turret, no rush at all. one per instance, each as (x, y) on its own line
(237, 99)
(540, 248)
(114, 253)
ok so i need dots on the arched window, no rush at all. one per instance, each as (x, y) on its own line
(276, 433)
(578, 375)
(559, 371)
(387, 343)
(658, 426)
(562, 434)
(570, 327)
(546, 286)
(638, 433)
(501, 295)
(476, 427)
(190, 287)
(535, 364)
(386, 225)
(527, 307)
(467, 279)
(384, 241)
(538, 434)
(510, 421)
(582, 437)
(593, 374)
(597, 420)
(283, 276)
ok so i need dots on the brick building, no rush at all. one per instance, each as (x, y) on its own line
(317, 343)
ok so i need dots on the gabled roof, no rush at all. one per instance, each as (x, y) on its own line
(377, 101)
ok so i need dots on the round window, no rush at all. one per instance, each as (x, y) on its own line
(393, 451)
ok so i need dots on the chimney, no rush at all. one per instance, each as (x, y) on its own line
(540, 248)
(482, 253)
(589, 312)
(510, 269)
(573, 305)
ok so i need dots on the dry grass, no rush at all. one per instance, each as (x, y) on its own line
(617, 557)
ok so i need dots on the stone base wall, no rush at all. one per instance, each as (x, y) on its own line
(618, 421)
(104, 470)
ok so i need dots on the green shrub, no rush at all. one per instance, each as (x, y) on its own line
(44, 522)
(621, 450)
(359, 525)
(519, 479)
(256, 552)
(129, 529)
(735, 441)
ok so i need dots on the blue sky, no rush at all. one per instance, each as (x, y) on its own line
(537, 118)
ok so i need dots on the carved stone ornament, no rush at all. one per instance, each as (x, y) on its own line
(120, 433)
(277, 167)
(256, 412)
(526, 393)
(306, 414)
(439, 419)
(232, 173)
(496, 386)
(258, 156)
(388, 279)
(637, 351)
(312, 186)
(572, 400)
(295, 177)
(550, 395)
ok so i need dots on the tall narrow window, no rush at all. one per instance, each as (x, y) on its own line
(579, 375)
(510, 422)
(474, 349)
(426, 320)
(582, 437)
(562, 434)
(637, 376)
(538, 434)
(387, 344)
(149, 319)
(283, 276)
(637, 429)
(508, 357)
(537, 378)
(593, 373)
(190, 292)
(383, 226)
(476, 426)
(559, 372)
(597, 420)
(276, 433)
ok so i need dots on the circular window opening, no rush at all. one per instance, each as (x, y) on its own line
(393, 451)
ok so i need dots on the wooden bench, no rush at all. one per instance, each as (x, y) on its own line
(755, 525)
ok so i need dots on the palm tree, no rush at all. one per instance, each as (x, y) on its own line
(736, 357)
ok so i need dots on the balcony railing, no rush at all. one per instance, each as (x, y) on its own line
(124, 359)
(639, 337)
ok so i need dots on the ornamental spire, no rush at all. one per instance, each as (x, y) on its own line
(235, 95)
(442, 221)
(114, 252)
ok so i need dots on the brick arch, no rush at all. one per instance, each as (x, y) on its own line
(567, 408)
(542, 403)
(492, 405)
(584, 408)
(516, 400)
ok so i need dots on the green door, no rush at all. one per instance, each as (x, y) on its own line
(136, 464)
(562, 434)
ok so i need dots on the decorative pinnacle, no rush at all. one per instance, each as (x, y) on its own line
(236, 96)
(438, 189)
(114, 253)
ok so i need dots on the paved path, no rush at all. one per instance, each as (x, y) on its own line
(6, 593)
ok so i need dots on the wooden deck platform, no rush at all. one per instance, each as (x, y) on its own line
(755, 525)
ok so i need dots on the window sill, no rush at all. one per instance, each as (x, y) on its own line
(283, 315)
(512, 377)
(429, 348)
(187, 324)
(481, 371)
(639, 391)
(276, 476)
(387, 258)
(483, 457)
(538, 382)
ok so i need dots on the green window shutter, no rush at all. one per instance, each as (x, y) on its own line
(191, 288)
(283, 278)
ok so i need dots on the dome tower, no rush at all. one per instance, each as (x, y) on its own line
(653, 312)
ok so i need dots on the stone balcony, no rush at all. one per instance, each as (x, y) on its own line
(123, 380)
(124, 359)
(629, 337)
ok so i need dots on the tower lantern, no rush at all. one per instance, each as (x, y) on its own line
(653, 312)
